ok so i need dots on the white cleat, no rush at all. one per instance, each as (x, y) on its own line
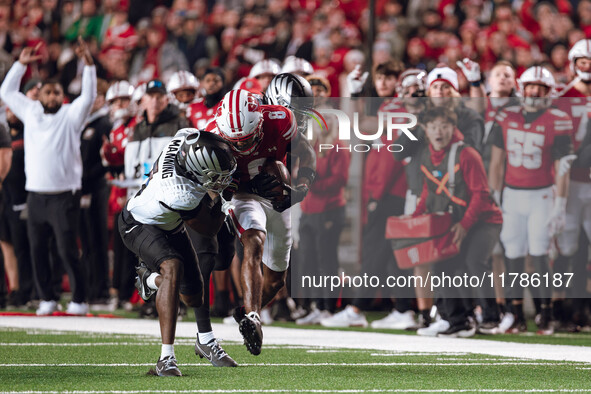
(314, 317)
(75, 308)
(345, 318)
(396, 321)
(46, 308)
(434, 328)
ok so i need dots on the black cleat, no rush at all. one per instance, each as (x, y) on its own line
(250, 328)
(167, 367)
(518, 327)
(140, 282)
(489, 328)
(214, 353)
(464, 330)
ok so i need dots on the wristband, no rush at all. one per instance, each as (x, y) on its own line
(475, 84)
(307, 172)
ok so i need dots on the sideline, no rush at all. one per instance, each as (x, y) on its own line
(304, 337)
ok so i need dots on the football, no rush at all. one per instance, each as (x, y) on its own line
(279, 171)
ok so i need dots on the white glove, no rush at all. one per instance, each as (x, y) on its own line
(497, 197)
(565, 164)
(356, 80)
(557, 219)
(470, 69)
(227, 206)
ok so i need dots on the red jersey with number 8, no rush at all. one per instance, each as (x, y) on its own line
(279, 129)
(531, 147)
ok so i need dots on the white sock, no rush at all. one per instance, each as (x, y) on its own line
(167, 350)
(206, 337)
(151, 281)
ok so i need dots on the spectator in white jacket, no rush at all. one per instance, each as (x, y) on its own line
(53, 167)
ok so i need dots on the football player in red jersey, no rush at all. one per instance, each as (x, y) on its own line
(119, 99)
(202, 111)
(258, 132)
(530, 140)
(576, 101)
(182, 87)
(121, 111)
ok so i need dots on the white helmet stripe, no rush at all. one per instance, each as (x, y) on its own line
(236, 109)
(193, 162)
(204, 159)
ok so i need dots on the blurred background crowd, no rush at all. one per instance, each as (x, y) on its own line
(142, 40)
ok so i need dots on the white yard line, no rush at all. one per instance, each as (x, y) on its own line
(319, 391)
(311, 338)
(457, 364)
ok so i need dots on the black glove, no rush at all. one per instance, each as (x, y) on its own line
(263, 184)
(295, 195)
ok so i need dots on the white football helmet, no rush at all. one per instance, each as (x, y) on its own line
(540, 76)
(120, 89)
(582, 48)
(182, 80)
(264, 67)
(138, 93)
(240, 120)
(296, 65)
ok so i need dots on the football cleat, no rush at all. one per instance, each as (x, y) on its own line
(250, 328)
(518, 327)
(167, 367)
(346, 318)
(214, 353)
(396, 321)
(47, 308)
(434, 328)
(140, 282)
(464, 330)
(489, 328)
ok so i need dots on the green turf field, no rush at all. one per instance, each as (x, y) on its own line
(44, 361)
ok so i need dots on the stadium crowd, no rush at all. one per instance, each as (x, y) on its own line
(165, 65)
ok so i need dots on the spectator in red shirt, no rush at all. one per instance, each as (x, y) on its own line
(477, 223)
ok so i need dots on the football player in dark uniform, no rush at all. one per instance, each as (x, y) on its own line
(183, 188)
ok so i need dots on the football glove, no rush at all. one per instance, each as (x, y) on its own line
(557, 219)
(565, 164)
(263, 184)
(470, 69)
(356, 80)
(294, 196)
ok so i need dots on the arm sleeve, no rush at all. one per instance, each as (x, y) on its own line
(472, 127)
(476, 183)
(584, 151)
(496, 136)
(337, 178)
(9, 92)
(563, 145)
(80, 108)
